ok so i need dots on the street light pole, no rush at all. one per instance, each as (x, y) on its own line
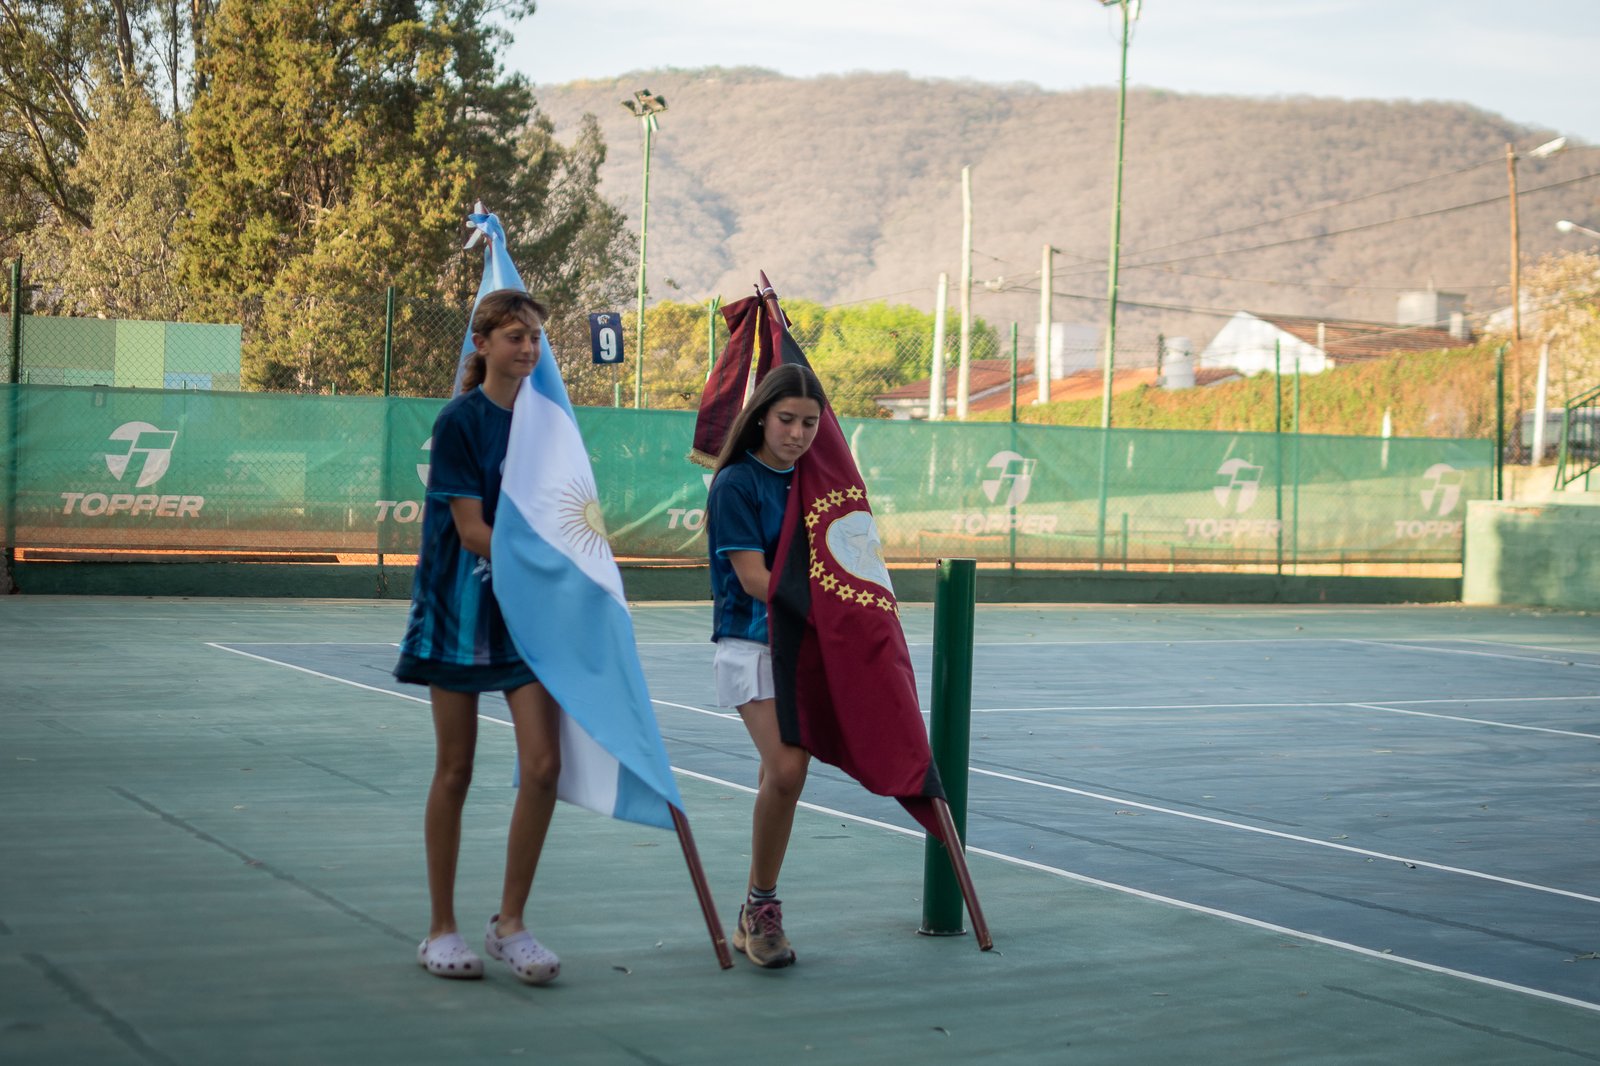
(644, 106)
(1544, 151)
(1568, 226)
(1116, 212)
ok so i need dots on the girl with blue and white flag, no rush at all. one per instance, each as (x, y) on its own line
(562, 648)
(457, 644)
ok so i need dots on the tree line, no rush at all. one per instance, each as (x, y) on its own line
(211, 160)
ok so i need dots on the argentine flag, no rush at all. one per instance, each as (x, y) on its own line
(561, 593)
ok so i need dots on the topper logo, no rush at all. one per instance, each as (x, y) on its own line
(1444, 489)
(1242, 476)
(154, 445)
(1010, 468)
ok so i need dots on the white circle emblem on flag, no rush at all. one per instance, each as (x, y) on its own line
(853, 541)
(582, 523)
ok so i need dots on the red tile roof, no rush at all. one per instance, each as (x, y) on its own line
(1349, 340)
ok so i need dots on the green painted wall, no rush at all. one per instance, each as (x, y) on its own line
(1534, 554)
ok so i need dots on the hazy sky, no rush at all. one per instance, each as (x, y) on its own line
(1536, 62)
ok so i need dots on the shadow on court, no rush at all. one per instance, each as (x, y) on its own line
(1221, 835)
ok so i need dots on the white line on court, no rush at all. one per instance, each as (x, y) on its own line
(317, 673)
(1170, 901)
(1121, 802)
(1478, 721)
(1331, 703)
(1519, 644)
(313, 643)
(1463, 651)
(1041, 867)
(1157, 640)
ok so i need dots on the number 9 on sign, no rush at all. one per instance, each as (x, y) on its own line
(605, 338)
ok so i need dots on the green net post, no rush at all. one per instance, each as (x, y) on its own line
(950, 733)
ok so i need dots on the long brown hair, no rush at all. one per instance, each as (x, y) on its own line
(494, 311)
(782, 382)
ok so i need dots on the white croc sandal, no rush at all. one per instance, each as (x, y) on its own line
(449, 956)
(531, 961)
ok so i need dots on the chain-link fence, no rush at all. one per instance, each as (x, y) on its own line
(193, 470)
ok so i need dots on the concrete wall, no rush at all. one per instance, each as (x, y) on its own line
(1535, 554)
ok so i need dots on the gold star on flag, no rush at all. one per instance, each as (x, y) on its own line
(854, 492)
(820, 504)
(885, 603)
(828, 581)
(846, 592)
(812, 519)
(835, 498)
(817, 569)
(865, 596)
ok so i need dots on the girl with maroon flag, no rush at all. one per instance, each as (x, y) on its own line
(744, 520)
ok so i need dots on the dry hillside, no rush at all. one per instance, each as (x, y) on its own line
(848, 188)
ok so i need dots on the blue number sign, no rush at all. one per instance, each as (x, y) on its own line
(605, 338)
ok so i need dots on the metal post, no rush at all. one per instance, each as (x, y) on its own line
(649, 123)
(16, 321)
(1041, 358)
(950, 734)
(1277, 438)
(711, 335)
(1116, 229)
(1294, 543)
(14, 445)
(1500, 422)
(936, 385)
(964, 368)
(388, 336)
(1013, 371)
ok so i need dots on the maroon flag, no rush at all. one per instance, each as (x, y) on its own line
(845, 689)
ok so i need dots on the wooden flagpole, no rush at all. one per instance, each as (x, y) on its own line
(958, 862)
(697, 874)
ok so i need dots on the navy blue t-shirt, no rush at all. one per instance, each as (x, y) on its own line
(454, 616)
(744, 512)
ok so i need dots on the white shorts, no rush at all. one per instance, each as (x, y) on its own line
(743, 670)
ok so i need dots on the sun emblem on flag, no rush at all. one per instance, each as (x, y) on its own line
(848, 543)
(582, 522)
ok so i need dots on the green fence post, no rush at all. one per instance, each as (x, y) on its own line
(711, 335)
(16, 321)
(388, 336)
(14, 445)
(950, 734)
(1500, 422)
(1013, 508)
(1277, 438)
(1294, 543)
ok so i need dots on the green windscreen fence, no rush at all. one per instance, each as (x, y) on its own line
(191, 470)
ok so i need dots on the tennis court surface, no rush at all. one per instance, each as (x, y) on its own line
(1201, 835)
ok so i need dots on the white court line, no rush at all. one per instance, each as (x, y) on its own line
(1479, 721)
(1308, 639)
(1281, 703)
(1225, 823)
(1519, 644)
(317, 673)
(1029, 864)
(1462, 651)
(402, 695)
(314, 643)
(1170, 901)
(1121, 802)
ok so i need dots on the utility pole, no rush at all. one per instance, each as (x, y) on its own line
(936, 386)
(965, 369)
(1041, 357)
(644, 106)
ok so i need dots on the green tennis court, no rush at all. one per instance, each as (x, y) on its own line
(1201, 835)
